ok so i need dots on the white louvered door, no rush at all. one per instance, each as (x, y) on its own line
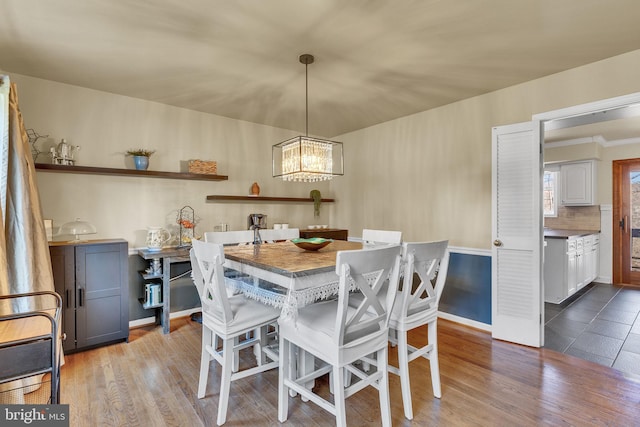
(516, 267)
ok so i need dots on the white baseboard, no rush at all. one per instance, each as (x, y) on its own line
(151, 320)
(464, 321)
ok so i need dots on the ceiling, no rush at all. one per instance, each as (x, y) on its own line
(375, 60)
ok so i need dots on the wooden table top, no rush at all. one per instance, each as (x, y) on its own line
(288, 259)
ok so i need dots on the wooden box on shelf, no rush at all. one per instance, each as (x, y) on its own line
(203, 166)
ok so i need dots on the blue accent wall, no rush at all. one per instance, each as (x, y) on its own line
(467, 291)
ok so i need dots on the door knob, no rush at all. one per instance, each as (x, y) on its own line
(497, 243)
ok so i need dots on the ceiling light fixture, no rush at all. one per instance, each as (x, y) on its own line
(307, 159)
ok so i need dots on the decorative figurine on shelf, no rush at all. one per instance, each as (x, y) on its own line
(255, 189)
(62, 154)
(187, 222)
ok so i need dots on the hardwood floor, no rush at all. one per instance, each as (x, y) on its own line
(152, 381)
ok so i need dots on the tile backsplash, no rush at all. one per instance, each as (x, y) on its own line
(575, 218)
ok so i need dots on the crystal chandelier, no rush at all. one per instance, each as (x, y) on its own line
(307, 159)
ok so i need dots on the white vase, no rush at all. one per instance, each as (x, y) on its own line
(157, 237)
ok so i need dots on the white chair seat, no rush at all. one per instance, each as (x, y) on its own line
(315, 331)
(400, 322)
(247, 313)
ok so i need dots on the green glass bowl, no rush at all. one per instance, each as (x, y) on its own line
(312, 244)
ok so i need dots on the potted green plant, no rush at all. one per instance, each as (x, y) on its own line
(140, 157)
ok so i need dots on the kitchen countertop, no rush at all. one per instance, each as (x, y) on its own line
(555, 233)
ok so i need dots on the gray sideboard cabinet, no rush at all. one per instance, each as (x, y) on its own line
(92, 279)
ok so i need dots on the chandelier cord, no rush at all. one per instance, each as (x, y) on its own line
(306, 97)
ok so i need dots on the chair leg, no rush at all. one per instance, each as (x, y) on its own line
(306, 365)
(383, 388)
(393, 337)
(432, 330)
(205, 359)
(403, 365)
(261, 357)
(257, 349)
(347, 379)
(338, 396)
(236, 354)
(225, 378)
(284, 372)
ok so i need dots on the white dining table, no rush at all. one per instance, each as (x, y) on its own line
(303, 276)
(285, 264)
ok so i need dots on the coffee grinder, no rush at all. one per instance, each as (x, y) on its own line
(256, 222)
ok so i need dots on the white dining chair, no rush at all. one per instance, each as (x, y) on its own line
(340, 335)
(416, 305)
(372, 237)
(271, 235)
(235, 237)
(377, 237)
(243, 237)
(228, 318)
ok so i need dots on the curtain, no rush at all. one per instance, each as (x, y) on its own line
(25, 264)
(23, 239)
(4, 161)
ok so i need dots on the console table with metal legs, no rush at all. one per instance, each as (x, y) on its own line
(167, 256)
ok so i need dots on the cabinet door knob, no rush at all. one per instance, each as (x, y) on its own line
(497, 243)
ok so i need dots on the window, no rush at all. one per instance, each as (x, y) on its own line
(550, 193)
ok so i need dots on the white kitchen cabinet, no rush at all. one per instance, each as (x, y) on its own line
(570, 284)
(581, 266)
(569, 265)
(578, 181)
(590, 263)
(596, 256)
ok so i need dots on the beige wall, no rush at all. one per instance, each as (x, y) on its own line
(105, 125)
(429, 174)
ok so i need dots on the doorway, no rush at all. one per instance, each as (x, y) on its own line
(619, 107)
(626, 214)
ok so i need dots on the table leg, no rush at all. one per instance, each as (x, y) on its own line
(306, 365)
(166, 295)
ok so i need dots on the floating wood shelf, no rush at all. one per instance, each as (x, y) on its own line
(47, 167)
(263, 199)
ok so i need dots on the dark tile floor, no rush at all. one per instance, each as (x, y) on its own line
(601, 324)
